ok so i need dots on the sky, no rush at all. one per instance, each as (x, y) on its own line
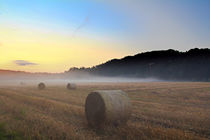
(54, 35)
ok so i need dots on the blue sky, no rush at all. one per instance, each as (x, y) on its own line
(193, 13)
(176, 24)
(109, 19)
(64, 15)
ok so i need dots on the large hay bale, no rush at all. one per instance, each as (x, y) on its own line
(107, 107)
(71, 86)
(41, 86)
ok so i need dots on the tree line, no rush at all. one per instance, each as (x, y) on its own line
(192, 65)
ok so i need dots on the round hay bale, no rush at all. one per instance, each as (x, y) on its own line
(41, 86)
(71, 86)
(22, 83)
(107, 107)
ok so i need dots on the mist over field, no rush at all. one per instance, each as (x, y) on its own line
(61, 79)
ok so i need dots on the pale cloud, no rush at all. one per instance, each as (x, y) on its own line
(24, 63)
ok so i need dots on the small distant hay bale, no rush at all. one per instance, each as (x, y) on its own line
(71, 86)
(22, 83)
(41, 86)
(107, 107)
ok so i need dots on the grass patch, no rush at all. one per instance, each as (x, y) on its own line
(9, 135)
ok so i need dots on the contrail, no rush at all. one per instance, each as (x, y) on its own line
(84, 23)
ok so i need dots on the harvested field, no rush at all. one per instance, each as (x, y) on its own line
(166, 110)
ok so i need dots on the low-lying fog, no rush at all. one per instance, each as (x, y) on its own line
(51, 80)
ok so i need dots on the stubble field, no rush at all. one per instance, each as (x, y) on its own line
(160, 110)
